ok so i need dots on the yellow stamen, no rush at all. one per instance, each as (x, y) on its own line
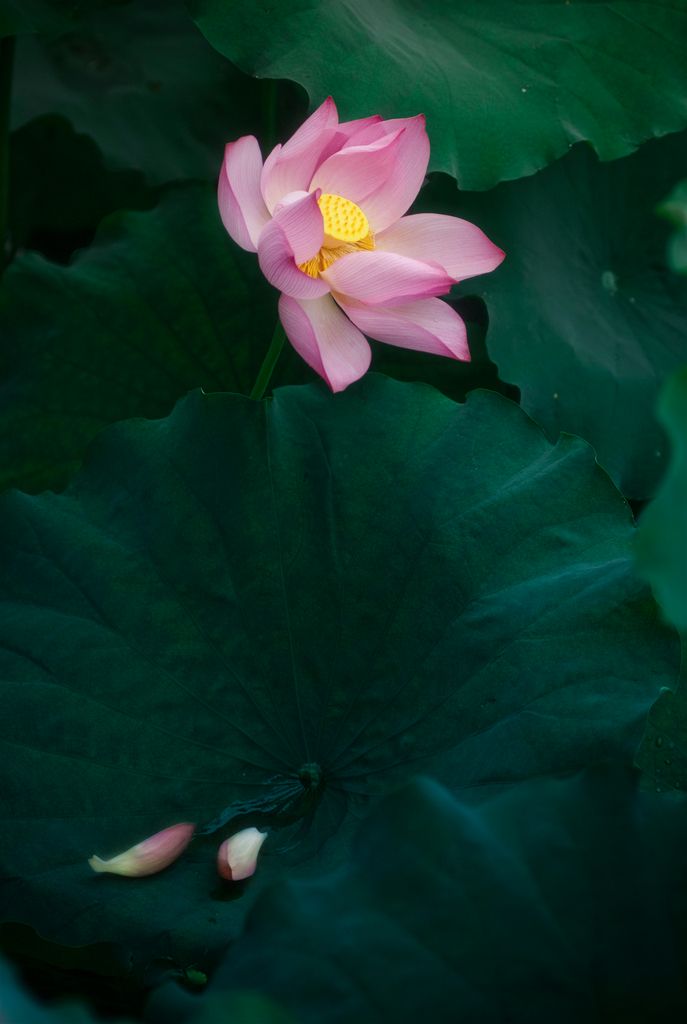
(343, 220)
(346, 229)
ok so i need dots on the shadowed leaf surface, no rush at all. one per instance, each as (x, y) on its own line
(17, 1006)
(662, 538)
(266, 613)
(82, 191)
(161, 303)
(674, 209)
(140, 79)
(24, 16)
(561, 900)
(662, 558)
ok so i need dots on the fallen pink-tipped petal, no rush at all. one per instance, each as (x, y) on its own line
(149, 856)
(237, 857)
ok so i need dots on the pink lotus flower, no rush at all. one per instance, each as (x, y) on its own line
(325, 214)
(149, 856)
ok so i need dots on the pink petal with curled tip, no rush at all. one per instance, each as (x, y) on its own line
(359, 171)
(290, 167)
(427, 325)
(345, 131)
(326, 339)
(385, 278)
(241, 205)
(389, 202)
(461, 248)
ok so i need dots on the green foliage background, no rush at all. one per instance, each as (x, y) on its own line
(409, 629)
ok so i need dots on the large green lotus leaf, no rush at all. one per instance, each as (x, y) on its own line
(584, 315)
(662, 557)
(562, 900)
(161, 303)
(506, 87)
(140, 79)
(269, 612)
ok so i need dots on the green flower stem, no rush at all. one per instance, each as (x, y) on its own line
(269, 362)
(6, 63)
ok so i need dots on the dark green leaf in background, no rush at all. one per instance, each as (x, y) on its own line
(98, 974)
(241, 1008)
(18, 16)
(170, 1005)
(162, 302)
(82, 190)
(674, 209)
(562, 900)
(368, 582)
(25, 16)
(584, 315)
(140, 79)
(18, 1007)
(451, 376)
(662, 538)
(662, 559)
(506, 87)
